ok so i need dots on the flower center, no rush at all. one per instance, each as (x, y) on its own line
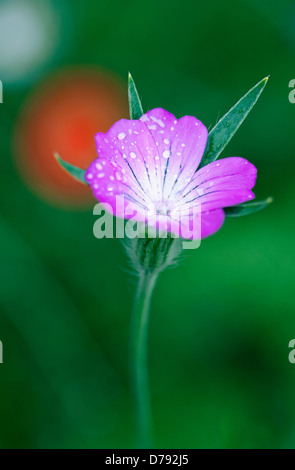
(161, 208)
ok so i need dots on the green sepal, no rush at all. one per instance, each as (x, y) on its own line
(225, 129)
(75, 171)
(248, 208)
(135, 106)
(149, 255)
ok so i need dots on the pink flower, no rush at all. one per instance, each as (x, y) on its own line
(153, 162)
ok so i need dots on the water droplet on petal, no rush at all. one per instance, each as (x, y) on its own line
(98, 166)
(89, 176)
(157, 121)
(166, 141)
(118, 175)
(110, 187)
(112, 178)
(100, 175)
(166, 153)
(132, 155)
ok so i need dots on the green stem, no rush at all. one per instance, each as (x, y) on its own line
(145, 288)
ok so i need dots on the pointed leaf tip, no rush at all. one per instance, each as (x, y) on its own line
(227, 126)
(248, 208)
(74, 171)
(135, 106)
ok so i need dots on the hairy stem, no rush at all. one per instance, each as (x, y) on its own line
(145, 288)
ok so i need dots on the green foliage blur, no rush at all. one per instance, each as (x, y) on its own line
(221, 321)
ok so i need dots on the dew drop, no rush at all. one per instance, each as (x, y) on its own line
(166, 153)
(118, 175)
(132, 155)
(100, 175)
(112, 178)
(166, 141)
(157, 121)
(89, 176)
(98, 166)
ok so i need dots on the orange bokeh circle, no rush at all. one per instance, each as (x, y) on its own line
(63, 115)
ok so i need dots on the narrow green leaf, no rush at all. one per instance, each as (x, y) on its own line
(248, 208)
(135, 107)
(225, 129)
(74, 171)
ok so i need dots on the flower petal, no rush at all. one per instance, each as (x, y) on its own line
(180, 144)
(109, 182)
(131, 148)
(211, 222)
(220, 184)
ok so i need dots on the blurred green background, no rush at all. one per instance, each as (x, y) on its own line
(222, 320)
